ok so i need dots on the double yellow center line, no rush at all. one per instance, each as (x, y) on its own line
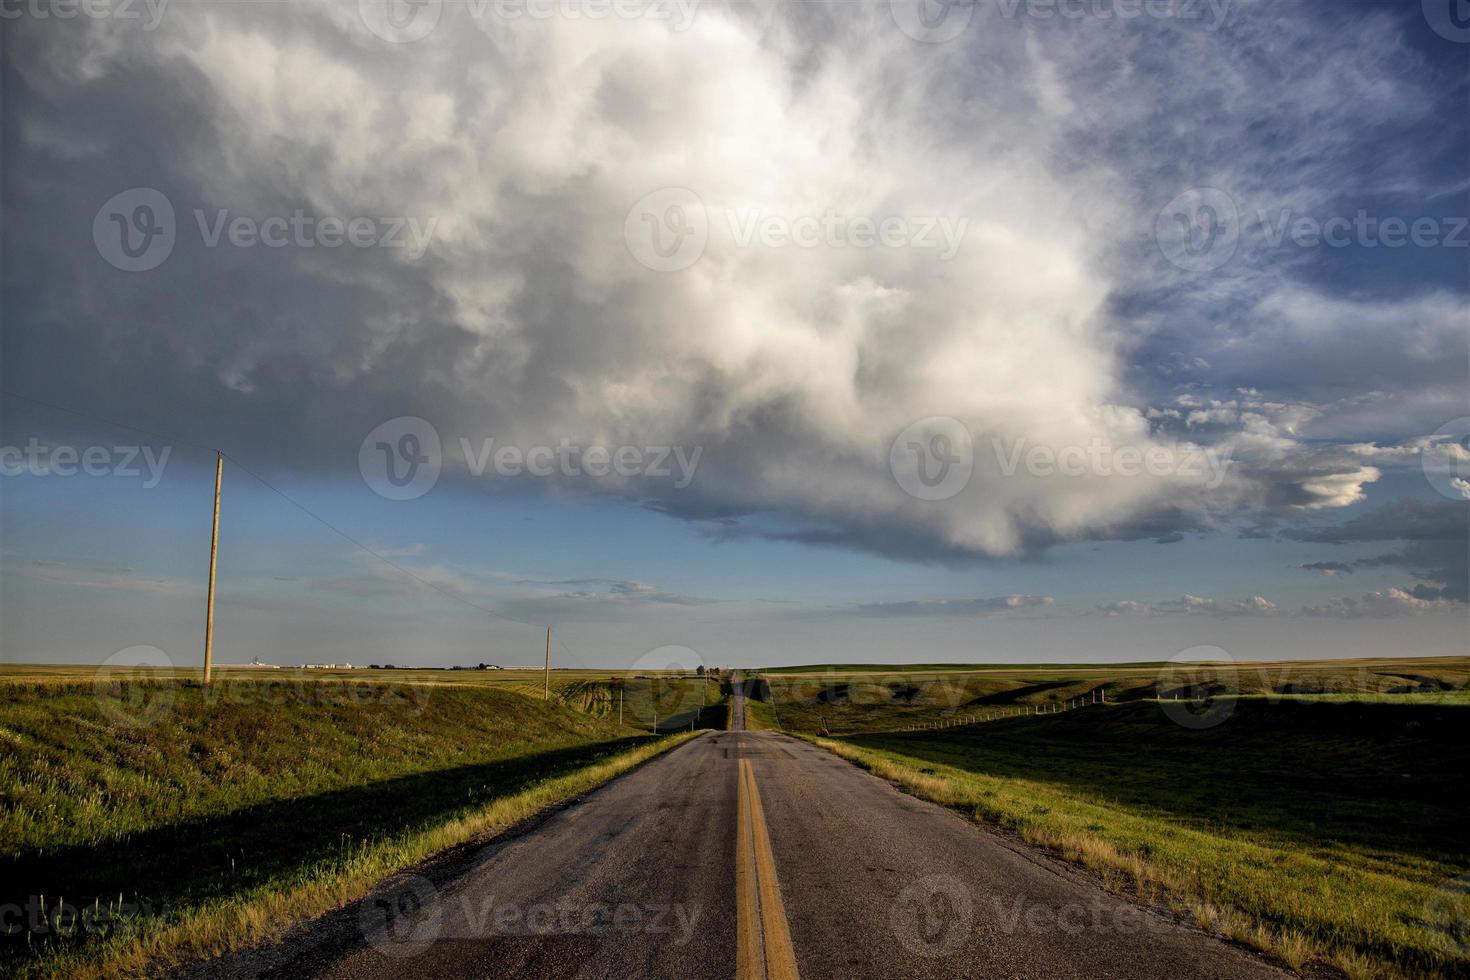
(763, 938)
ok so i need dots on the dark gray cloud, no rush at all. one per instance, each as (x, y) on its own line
(1435, 535)
(528, 319)
(954, 607)
(1329, 567)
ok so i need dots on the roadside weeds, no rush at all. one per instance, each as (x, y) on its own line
(268, 914)
(1131, 875)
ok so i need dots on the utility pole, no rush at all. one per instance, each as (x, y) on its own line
(620, 705)
(219, 468)
(546, 685)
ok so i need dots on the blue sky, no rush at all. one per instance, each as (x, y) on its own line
(1136, 209)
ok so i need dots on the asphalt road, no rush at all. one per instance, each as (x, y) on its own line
(749, 854)
(737, 704)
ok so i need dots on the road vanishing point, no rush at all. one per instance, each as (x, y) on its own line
(747, 855)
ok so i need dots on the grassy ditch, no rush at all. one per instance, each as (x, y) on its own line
(1315, 830)
(154, 823)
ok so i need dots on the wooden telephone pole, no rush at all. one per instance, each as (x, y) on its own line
(546, 684)
(219, 469)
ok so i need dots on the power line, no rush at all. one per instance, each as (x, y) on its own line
(280, 493)
(556, 638)
(358, 544)
(106, 421)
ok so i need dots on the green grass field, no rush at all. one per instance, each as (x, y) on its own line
(873, 698)
(154, 818)
(672, 697)
(1322, 819)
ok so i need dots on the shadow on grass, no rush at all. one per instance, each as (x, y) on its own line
(709, 716)
(1387, 778)
(223, 856)
(716, 716)
(1015, 695)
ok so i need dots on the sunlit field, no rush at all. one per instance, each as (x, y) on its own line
(861, 698)
(1314, 811)
(147, 817)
